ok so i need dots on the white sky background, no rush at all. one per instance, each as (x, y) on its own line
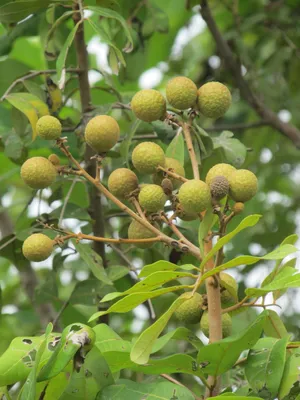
(150, 79)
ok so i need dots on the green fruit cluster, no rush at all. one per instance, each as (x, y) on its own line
(38, 172)
(229, 281)
(241, 185)
(194, 196)
(48, 128)
(102, 133)
(212, 99)
(138, 231)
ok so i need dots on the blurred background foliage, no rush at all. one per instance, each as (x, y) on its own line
(170, 38)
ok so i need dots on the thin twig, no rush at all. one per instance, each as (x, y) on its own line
(246, 91)
(33, 74)
(190, 147)
(172, 174)
(67, 198)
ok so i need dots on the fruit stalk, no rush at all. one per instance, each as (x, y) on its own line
(190, 147)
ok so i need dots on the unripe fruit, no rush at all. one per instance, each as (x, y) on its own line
(148, 105)
(214, 99)
(167, 186)
(238, 208)
(37, 247)
(102, 133)
(243, 185)
(38, 172)
(219, 187)
(122, 182)
(175, 166)
(190, 311)
(152, 198)
(139, 231)
(194, 196)
(226, 325)
(222, 169)
(226, 297)
(181, 92)
(147, 156)
(54, 159)
(186, 216)
(48, 127)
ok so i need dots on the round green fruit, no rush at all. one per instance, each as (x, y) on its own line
(139, 231)
(226, 325)
(37, 247)
(222, 169)
(174, 166)
(38, 172)
(190, 311)
(152, 198)
(122, 182)
(214, 99)
(181, 93)
(243, 185)
(194, 196)
(147, 156)
(48, 128)
(148, 105)
(102, 133)
(219, 187)
(226, 297)
(238, 208)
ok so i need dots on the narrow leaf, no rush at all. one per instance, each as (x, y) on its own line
(176, 148)
(247, 222)
(142, 348)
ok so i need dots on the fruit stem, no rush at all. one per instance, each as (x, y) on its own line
(82, 236)
(172, 174)
(190, 147)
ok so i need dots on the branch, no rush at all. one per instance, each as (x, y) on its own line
(33, 74)
(248, 95)
(82, 236)
(102, 189)
(190, 147)
(172, 174)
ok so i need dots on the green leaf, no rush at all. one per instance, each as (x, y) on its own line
(125, 145)
(107, 13)
(274, 327)
(235, 151)
(87, 292)
(247, 222)
(176, 148)
(151, 282)
(219, 357)
(177, 334)
(93, 261)
(143, 346)
(106, 39)
(277, 254)
(116, 272)
(281, 282)
(74, 337)
(205, 226)
(95, 364)
(265, 365)
(125, 389)
(15, 11)
(18, 360)
(35, 89)
(290, 376)
(76, 388)
(31, 106)
(62, 58)
(133, 300)
(108, 340)
(163, 265)
(29, 389)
